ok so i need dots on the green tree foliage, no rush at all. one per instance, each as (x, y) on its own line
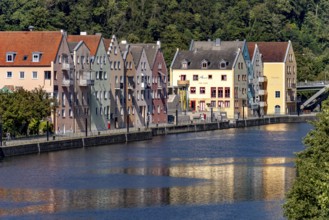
(309, 196)
(176, 22)
(24, 109)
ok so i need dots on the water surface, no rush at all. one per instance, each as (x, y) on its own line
(224, 174)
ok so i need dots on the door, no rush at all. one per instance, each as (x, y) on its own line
(193, 105)
(277, 109)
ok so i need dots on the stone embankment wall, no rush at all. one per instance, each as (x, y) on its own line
(142, 135)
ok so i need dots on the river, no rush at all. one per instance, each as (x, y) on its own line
(224, 174)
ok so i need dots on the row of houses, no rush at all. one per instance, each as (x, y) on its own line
(98, 83)
(238, 78)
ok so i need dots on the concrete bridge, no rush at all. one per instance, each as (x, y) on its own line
(320, 87)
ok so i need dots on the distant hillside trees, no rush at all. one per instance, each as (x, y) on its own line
(176, 22)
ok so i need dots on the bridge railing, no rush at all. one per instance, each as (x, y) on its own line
(312, 83)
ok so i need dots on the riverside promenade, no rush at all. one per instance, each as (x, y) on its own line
(63, 142)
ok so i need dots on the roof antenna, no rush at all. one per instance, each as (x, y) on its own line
(31, 28)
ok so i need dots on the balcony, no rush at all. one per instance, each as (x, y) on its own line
(292, 86)
(262, 92)
(66, 66)
(118, 86)
(262, 79)
(85, 79)
(254, 106)
(67, 82)
(183, 82)
(131, 86)
(291, 98)
(262, 104)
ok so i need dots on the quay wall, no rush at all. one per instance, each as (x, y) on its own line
(58, 145)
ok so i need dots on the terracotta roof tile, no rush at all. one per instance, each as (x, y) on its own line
(92, 41)
(24, 43)
(251, 49)
(272, 51)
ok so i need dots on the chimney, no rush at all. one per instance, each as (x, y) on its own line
(83, 33)
(31, 28)
(159, 44)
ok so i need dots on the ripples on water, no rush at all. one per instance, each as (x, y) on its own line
(226, 174)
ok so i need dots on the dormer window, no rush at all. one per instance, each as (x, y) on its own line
(223, 64)
(36, 57)
(10, 57)
(204, 64)
(184, 64)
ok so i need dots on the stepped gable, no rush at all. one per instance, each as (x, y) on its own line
(24, 43)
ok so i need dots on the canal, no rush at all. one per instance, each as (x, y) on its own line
(225, 174)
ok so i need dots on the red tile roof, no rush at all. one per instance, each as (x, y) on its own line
(272, 51)
(107, 43)
(92, 41)
(251, 49)
(24, 43)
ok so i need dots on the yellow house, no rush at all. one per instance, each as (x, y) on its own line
(211, 79)
(280, 69)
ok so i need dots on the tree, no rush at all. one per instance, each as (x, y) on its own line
(309, 196)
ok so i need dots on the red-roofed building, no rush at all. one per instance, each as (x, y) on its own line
(31, 59)
(280, 70)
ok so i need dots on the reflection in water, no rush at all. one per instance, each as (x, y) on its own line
(235, 169)
(223, 180)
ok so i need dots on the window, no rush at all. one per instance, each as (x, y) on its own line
(213, 103)
(195, 77)
(158, 109)
(111, 65)
(35, 57)
(204, 64)
(192, 90)
(10, 57)
(182, 77)
(220, 92)
(63, 113)
(160, 66)
(119, 65)
(277, 94)
(227, 104)
(70, 113)
(34, 75)
(9, 74)
(184, 65)
(227, 92)
(213, 92)
(21, 75)
(223, 65)
(224, 77)
(47, 74)
(202, 90)
(220, 104)
(209, 76)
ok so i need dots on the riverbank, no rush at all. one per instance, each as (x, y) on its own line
(106, 139)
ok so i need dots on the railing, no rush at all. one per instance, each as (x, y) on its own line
(67, 82)
(262, 79)
(262, 92)
(66, 66)
(183, 82)
(262, 104)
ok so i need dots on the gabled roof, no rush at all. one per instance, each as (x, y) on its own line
(214, 58)
(272, 51)
(137, 52)
(150, 51)
(251, 49)
(24, 43)
(92, 41)
(107, 43)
